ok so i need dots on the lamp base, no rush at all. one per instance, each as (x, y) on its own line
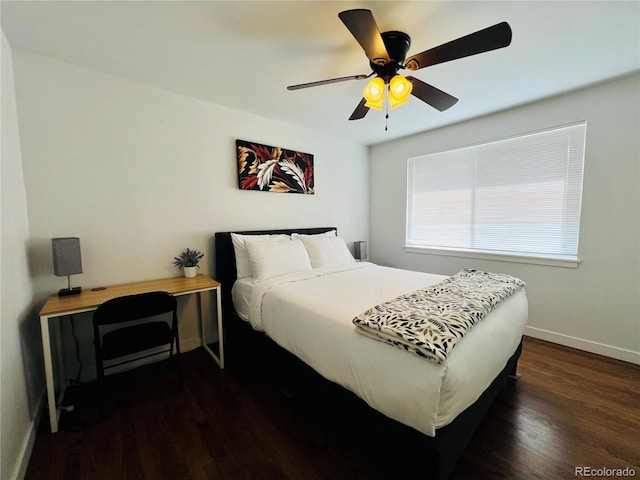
(64, 292)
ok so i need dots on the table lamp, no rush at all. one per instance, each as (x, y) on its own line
(67, 261)
(360, 250)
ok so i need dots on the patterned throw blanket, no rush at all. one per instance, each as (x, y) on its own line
(429, 322)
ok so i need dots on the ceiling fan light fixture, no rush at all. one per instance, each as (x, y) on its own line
(387, 54)
(399, 90)
(374, 93)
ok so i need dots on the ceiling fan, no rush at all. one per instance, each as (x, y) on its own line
(387, 52)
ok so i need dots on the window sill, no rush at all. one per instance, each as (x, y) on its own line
(554, 262)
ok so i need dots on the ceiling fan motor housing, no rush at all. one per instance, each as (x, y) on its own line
(397, 45)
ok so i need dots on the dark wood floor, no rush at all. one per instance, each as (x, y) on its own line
(569, 409)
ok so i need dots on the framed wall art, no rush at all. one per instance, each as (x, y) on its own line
(274, 169)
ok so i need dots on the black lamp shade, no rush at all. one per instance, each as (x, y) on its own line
(66, 256)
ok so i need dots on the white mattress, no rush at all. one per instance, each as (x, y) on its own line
(310, 315)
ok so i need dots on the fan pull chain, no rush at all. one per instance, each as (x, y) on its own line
(386, 117)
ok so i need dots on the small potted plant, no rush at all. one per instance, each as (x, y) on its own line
(188, 260)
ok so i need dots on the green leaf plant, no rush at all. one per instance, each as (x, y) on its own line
(188, 258)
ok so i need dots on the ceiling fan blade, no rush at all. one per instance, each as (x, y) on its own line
(363, 27)
(431, 95)
(326, 82)
(490, 38)
(360, 110)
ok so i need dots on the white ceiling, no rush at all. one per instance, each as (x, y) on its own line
(243, 54)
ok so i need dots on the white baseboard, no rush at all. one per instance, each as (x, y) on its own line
(586, 345)
(22, 462)
(185, 346)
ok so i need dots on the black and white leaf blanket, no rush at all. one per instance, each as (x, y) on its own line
(430, 321)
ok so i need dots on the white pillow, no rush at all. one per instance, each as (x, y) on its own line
(270, 259)
(327, 251)
(330, 233)
(243, 267)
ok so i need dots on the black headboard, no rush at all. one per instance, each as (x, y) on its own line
(226, 258)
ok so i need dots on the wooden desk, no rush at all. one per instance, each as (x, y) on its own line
(91, 299)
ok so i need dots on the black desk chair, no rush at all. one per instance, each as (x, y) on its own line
(137, 338)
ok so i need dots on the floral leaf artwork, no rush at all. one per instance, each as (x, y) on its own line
(274, 169)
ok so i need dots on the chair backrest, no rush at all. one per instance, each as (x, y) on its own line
(134, 307)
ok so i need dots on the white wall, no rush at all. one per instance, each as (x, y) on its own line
(21, 377)
(595, 307)
(140, 173)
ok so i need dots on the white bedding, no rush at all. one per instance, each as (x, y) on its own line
(310, 314)
(241, 296)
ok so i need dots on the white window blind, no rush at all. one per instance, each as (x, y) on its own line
(519, 196)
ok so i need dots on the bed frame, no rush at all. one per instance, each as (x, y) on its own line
(437, 455)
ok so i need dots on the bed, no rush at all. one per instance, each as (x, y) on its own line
(309, 314)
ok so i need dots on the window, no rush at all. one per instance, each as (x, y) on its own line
(519, 196)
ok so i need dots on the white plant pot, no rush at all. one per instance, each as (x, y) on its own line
(190, 271)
